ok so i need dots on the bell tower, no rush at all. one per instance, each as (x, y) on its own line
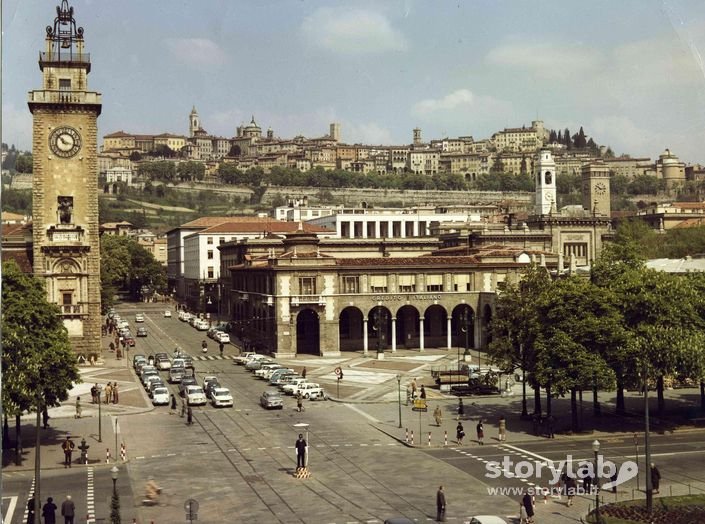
(65, 227)
(194, 124)
(596, 188)
(545, 183)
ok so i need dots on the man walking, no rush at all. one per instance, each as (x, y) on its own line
(78, 407)
(68, 447)
(30, 510)
(301, 449)
(440, 505)
(68, 510)
(49, 512)
(438, 416)
(221, 346)
(94, 392)
(189, 416)
(108, 393)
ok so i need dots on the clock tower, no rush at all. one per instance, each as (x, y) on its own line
(596, 188)
(545, 183)
(65, 228)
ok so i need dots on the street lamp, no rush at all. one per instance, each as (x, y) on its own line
(399, 393)
(114, 474)
(596, 449)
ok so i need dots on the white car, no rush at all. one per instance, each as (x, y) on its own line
(221, 398)
(163, 364)
(311, 391)
(201, 325)
(195, 396)
(160, 396)
(167, 313)
(223, 337)
(244, 357)
(293, 387)
(139, 317)
(266, 368)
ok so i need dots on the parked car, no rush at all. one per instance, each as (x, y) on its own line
(149, 380)
(311, 391)
(176, 373)
(139, 317)
(152, 372)
(293, 387)
(222, 337)
(160, 396)
(141, 331)
(153, 384)
(195, 396)
(271, 399)
(137, 358)
(287, 379)
(265, 369)
(242, 358)
(487, 519)
(221, 397)
(255, 363)
(201, 325)
(279, 373)
(167, 313)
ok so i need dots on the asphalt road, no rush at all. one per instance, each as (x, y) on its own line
(238, 463)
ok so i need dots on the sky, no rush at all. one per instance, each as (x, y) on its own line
(631, 72)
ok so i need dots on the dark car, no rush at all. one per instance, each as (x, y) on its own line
(130, 341)
(211, 385)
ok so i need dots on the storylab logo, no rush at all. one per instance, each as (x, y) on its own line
(607, 472)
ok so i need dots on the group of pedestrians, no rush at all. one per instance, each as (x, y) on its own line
(479, 431)
(111, 391)
(68, 510)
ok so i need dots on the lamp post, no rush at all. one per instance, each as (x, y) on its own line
(636, 458)
(114, 474)
(596, 449)
(399, 396)
(100, 419)
(524, 411)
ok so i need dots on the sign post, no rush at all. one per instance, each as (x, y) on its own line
(191, 508)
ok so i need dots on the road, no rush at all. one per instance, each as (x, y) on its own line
(238, 463)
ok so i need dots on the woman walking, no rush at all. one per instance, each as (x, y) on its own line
(502, 428)
(480, 432)
(115, 393)
(459, 433)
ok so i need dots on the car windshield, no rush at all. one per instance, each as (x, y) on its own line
(195, 389)
(222, 393)
(161, 391)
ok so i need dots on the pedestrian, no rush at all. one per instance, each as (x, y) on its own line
(115, 393)
(221, 346)
(440, 505)
(461, 408)
(78, 407)
(527, 503)
(67, 446)
(204, 346)
(45, 416)
(570, 488)
(173, 405)
(299, 402)
(502, 428)
(49, 512)
(183, 408)
(108, 393)
(613, 480)
(587, 483)
(68, 510)
(459, 433)
(655, 478)
(413, 389)
(438, 416)
(551, 422)
(30, 510)
(301, 450)
(422, 394)
(189, 416)
(480, 432)
(303, 372)
(408, 394)
(94, 392)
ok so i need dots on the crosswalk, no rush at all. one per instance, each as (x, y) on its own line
(213, 357)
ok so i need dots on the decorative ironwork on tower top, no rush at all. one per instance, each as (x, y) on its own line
(64, 41)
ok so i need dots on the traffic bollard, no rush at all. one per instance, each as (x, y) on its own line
(429, 439)
(445, 438)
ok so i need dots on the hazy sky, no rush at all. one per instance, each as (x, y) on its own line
(630, 71)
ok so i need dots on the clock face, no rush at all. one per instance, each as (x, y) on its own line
(600, 188)
(65, 142)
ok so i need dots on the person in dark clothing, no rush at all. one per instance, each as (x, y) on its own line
(461, 408)
(440, 505)
(189, 416)
(303, 372)
(221, 346)
(68, 510)
(49, 512)
(587, 483)
(45, 417)
(480, 432)
(459, 433)
(422, 393)
(301, 448)
(173, 405)
(655, 478)
(67, 446)
(528, 502)
(30, 511)
(570, 488)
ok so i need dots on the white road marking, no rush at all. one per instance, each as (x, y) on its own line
(90, 503)
(10, 507)
(535, 455)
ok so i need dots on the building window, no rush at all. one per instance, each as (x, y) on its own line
(407, 283)
(307, 285)
(351, 284)
(211, 272)
(209, 240)
(221, 240)
(461, 282)
(434, 282)
(67, 299)
(210, 254)
(378, 283)
(64, 84)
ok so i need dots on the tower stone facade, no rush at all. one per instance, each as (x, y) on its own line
(66, 239)
(596, 188)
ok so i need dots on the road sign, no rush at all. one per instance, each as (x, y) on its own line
(419, 405)
(191, 506)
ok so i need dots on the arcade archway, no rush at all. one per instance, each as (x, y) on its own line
(408, 327)
(435, 327)
(463, 326)
(350, 330)
(379, 328)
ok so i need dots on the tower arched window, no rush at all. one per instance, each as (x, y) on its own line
(548, 178)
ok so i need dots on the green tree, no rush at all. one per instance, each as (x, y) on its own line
(24, 163)
(39, 366)
(190, 171)
(125, 265)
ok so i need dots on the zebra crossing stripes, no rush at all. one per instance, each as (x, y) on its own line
(213, 357)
